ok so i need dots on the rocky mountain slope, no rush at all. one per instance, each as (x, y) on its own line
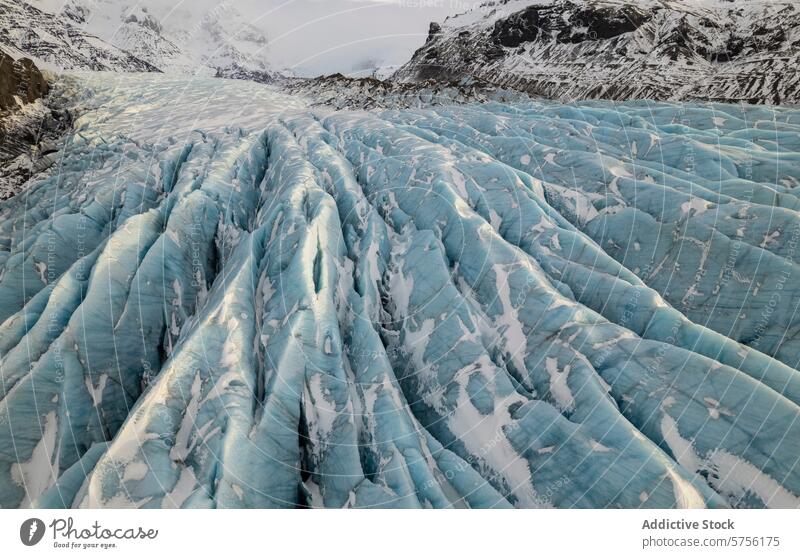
(30, 124)
(743, 50)
(20, 82)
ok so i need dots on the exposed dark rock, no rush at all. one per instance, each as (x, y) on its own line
(571, 24)
(518, 28)
(606, 22)
(8, 82)
(30, 124)
(20, 82)
(31, 82)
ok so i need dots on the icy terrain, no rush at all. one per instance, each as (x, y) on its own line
(221, 297)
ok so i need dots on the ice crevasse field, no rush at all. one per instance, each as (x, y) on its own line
(220, 297)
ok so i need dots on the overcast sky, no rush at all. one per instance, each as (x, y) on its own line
(326, 36)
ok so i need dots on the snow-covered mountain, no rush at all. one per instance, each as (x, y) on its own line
(200, 37)
(747, 50)
(59, 42)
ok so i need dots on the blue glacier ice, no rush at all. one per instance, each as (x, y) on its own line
(221, 297)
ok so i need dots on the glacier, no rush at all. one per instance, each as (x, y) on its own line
(222, 296)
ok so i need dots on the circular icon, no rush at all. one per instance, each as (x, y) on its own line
(31, 531)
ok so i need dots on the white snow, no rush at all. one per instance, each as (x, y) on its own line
(40, 471)
(559, 388)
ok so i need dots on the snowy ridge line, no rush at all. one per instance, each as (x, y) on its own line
(401, 308)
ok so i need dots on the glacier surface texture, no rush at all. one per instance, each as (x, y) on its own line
(220, 297)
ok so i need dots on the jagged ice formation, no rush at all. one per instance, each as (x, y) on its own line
(222, 298)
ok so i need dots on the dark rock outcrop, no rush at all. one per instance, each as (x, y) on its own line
(30, 125)
(20, 82)
(518, 28)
